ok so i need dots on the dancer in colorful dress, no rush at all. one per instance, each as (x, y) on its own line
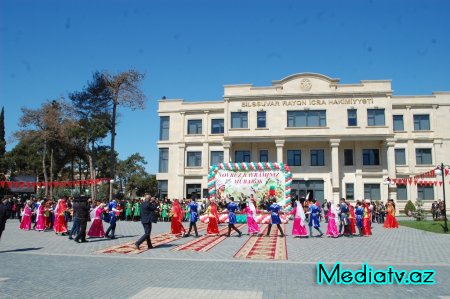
(299, 226)
(96, 230)
(177, 214)
(60, 225)
(232, 208)
(274, 210)
(359, 213)
(253, 227)
(367, 219)
(352, 219)
(112, 209)
(213, 215)
(25, 223)
(137, 210)
(164, 211)
(333, 220)
(391, 221)
(40, 220)
(128, 211)
(314, 218)
(193, 209)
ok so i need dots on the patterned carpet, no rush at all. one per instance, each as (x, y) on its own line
(158, 240)
(207, 242)
(264, 248)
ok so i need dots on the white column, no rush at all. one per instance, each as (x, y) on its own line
(206, 126)
(280, 149)
(183, 124)
(392, 190)
(226, 151)
(181, 171)
(334, 143)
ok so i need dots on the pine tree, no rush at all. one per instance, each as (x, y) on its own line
(420, 212)
(2, 133)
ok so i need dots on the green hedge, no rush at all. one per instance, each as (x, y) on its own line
(409, 207)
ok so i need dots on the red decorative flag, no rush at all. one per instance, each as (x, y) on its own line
(2, 183)
(440, 183)
(446, 172)
(9, 184)
(33, 185)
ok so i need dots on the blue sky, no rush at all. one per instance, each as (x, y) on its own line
(190, 49)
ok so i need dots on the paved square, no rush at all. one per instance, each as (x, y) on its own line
(42, 264)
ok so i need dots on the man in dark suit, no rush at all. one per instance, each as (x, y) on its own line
(81, 212)
(3, 216)
(148, 209)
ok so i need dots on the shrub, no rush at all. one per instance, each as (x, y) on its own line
(409, 207)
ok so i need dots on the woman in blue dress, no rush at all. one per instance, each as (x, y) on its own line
(274, 209)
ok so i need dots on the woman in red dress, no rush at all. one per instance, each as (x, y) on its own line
(177, 213)
(60, 225)
(391, 221)
(367, 220)
(352, 219)
(213, 215)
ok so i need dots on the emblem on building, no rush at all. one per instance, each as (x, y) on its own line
(305, 85)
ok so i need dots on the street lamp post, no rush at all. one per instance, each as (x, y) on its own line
(111, 189)
(441, 170)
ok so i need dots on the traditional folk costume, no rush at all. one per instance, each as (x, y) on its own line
(60, 225)
(333, 220)
(299, 226)
(352, 219)
(344, 221)
(40, 220)
(164, 212)
(253, 227)
(232, 208)
(391, 221)
(137, 211)
(112, 209)
(213, 215)
(177, 218)
(193, 209)
(25, 223)
(359, 213)
(367, 219)
(96, 230)
(274, 210)
(314, 219)
(128, 211)
(47, 216)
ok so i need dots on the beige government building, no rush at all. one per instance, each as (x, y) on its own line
(340, 140)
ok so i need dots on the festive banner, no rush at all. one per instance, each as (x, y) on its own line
(240, 180)
(55, 184)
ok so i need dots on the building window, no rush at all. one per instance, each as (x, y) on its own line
(306, 118)
(193, 190)
(163, 188)
(217, 126)
(164, 124)
(294, 157)
(402, 193)
(352, 117)
(216, 157)
(425, 192)
(400, 157)
(421, 122)
(375, 117)
(241, 156)
(398, 123)
(263, 156)
(371, 157)
(423, 156)
(163, 160)
(194, 126)
(317, 158)
(261, 116)
(348, 157)
(239, 120)
(315, 189)
(372, 191)
(194, 159)
(350, 191)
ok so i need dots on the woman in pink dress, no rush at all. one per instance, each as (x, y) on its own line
(332, 229)
(60, 225)
(299, 226)
(96, 230)
(40, 219)
(25, 223)
(253, 227)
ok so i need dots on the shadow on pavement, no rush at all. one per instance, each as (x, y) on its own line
(22, 249)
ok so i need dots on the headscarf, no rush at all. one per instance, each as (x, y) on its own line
(300, 213)
(176, 209)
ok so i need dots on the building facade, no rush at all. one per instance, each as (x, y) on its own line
(340, 140)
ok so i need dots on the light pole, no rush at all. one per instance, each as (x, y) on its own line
(440, 170)
(111, 182)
